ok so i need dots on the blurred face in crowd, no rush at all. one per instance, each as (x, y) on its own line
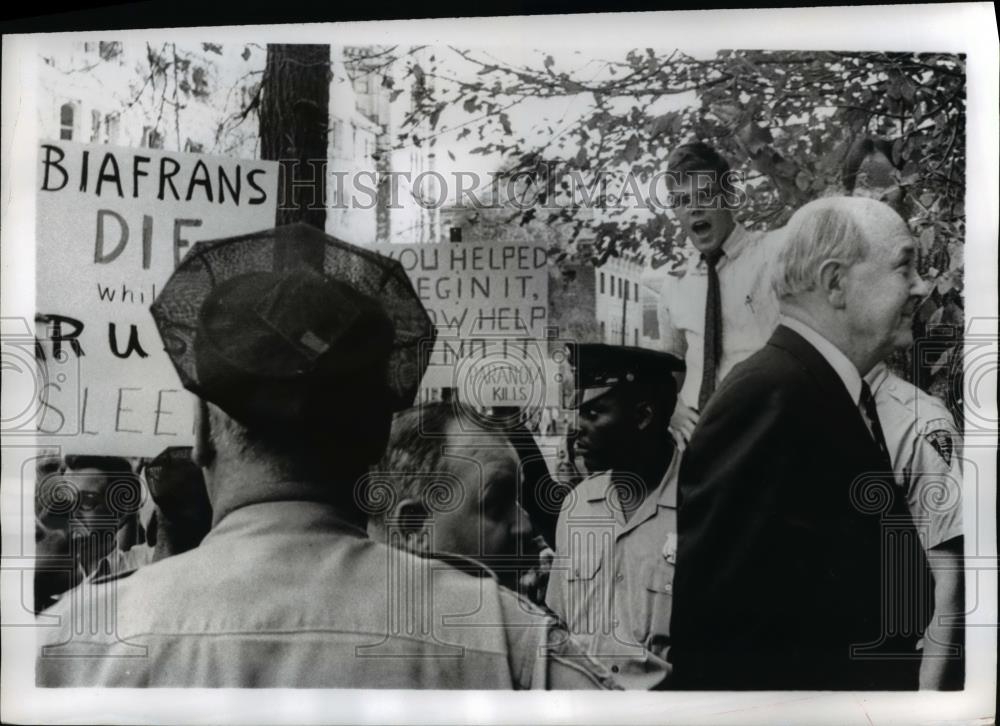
(883, 290)
(702, 213)
(480, 514)
(93, 510)
(607, 431)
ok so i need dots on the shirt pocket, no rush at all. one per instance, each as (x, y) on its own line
(587, 591)
(655, 600)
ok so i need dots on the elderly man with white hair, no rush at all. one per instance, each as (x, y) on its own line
(798, 563)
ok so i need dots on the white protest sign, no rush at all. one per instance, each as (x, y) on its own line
(112, 225)
(489, 302)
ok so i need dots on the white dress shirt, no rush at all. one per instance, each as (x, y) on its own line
(749, 307)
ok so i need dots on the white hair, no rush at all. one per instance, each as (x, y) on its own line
(830, 228)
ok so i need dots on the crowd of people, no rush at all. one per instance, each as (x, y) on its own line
(766, 505)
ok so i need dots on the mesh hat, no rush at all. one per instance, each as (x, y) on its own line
(277, 348)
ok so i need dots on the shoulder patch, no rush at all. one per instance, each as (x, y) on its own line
(941, 440)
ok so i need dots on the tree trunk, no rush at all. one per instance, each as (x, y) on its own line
(294, 125)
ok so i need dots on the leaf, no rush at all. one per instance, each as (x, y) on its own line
(245, 55)
(470, 104)
(945, 284)
(395, 94)
(451, 156)
(897, 152)
(505, 122)
(436, 114)
(631, 151)
(549, 61)
(212, 48)
(802, 181)
(927, 240)
(661, 124)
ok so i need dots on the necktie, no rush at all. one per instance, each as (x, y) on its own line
(871, 413)
(713, 330)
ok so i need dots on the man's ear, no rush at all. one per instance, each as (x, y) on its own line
(832, 281)
(409, 520)
(644, 415)
(203, 453)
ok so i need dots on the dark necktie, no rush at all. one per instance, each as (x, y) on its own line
(871, 412)
(713, 329)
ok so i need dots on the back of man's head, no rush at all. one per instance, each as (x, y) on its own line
(831, 228)
(414, 458)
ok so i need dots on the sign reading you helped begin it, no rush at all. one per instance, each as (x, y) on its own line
(489, 301)
(112, 225)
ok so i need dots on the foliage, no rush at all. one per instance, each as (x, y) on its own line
(789, 120)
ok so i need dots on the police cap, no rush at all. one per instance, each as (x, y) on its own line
(601, 368)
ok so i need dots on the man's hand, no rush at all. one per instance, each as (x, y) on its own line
(683, 421)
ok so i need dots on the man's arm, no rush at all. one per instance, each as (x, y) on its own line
(672, 340)
(940, 667)
(934, 497)
(555, 593)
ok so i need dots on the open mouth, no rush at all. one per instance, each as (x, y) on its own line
(700, 227)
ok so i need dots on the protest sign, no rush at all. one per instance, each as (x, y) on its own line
(112, 223)
(489, 302)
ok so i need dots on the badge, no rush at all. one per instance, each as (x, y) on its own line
(940, 439)
(670, 548)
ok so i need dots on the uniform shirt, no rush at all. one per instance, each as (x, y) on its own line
(286, 594)
(612, 580)
(749, 307)
(924, 447)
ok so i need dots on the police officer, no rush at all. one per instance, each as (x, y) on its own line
(924, 446)
(297, 374)
(616, 538)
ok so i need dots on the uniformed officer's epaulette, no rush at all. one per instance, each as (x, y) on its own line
(102, 579)
(463, 564)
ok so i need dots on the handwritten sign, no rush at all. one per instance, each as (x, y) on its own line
(112, 225)
(489, 302)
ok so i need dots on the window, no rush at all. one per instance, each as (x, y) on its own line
(111, 129)
(619, 287)
(636, 288)
(612, 290)
(626, 289)
(95, 126)
(635, 337)
(67, 116)
(603, 339)
(151, 138)
(455, 234)
(602, 283)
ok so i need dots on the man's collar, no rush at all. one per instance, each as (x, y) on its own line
(732, 247)
(598, 487)
(841, 364)
(877, 375)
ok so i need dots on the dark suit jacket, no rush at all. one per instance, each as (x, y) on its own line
(791, 537)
